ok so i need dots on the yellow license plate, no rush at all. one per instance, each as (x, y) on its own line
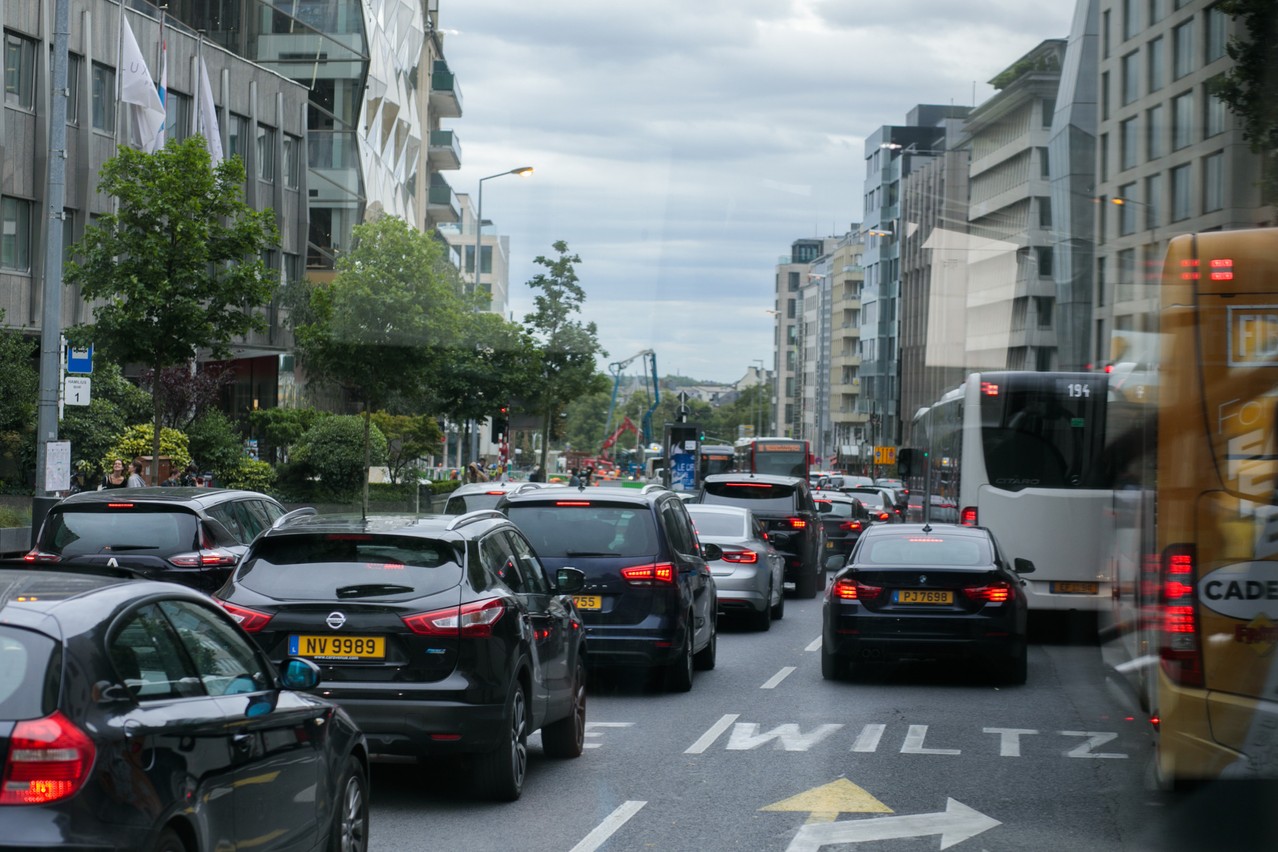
(829, 545)
(588, 601)
(924, 596)
(1076, 588)
(338, 647)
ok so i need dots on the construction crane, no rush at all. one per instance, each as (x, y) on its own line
(616, 368)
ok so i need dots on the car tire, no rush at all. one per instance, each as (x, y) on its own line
(566, 738)
(832, 667)
(762, 620)
(778, 611)
(704, 659)
(169, 841)
(805, 584)
(349, 830)
(500, 773)
(678, 674)
(1016, 669)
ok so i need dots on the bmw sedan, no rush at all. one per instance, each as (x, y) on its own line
(915, 591)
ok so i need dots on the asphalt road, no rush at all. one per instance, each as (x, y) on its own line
(764, 754)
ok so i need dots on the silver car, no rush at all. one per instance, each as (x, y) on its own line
(749, 577)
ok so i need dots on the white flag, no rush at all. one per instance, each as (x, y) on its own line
(146, 113)
(204, 120)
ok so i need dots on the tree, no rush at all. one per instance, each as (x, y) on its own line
(178, 267)
(185, 395)
(93, 429)
(19, 391)
(1248, 88)
(409, 438)
(567, 347)
(382, 327)
(337, 450)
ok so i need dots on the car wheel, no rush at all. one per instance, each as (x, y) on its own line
(805, 584)
(704, 659)
(832, 667)
(500, 772)
(1017, 667)
(169, 841)
(567, 737)
(778, 611)
(349, 832)
(763, 618)
(679, 672)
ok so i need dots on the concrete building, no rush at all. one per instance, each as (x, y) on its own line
(791, 274)
(1171, 157)
(494, 253)
(262, 116)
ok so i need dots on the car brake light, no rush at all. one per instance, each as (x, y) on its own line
(853, 590)
(38, 555)
(474, 620)
(884, 516)
(797, 523)
(119, 505)
(850, 526)
(993, 593)
(656, 574)
(741, 557)
(250, 620)
(204, 559)
(1180, 653)
(967, 517)
(49, 759)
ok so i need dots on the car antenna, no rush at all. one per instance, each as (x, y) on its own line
(927, 528)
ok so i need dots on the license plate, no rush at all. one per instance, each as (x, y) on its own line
(923, 596)
(1075, 588)
(338, 647)
(588, 601)
(829, 545)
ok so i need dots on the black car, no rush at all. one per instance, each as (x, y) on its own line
(926, 591)
(649, 597)
(136, 715)
(439, 635)
(192, 536)
(843, 518)
(484, 495)
(882, 502)
(786, 506)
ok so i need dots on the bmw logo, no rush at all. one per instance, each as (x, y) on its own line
(335, 620)
(922, 582)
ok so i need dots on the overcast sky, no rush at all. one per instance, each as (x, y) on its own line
(680, 146)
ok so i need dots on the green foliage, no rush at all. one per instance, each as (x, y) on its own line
(93, 429)
(333, 450)
(1249, 87)
(409, 438)
(138, 441)
(249, 474)
(19, 395)
(216, 445)
(12, 517)
(281, 428)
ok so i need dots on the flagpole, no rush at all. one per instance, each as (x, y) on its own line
(119, 72)
(164, 79)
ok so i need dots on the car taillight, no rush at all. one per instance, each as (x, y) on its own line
(204, 559)
(1180, 652)
(967, 517)
(797, 523)
(49, 759)
(250, 620)
(741, 557)
(853, 590)
(884, 516)
(850, 526)
(38, 555)
(656, 574)
(993, 593)
(474, 620)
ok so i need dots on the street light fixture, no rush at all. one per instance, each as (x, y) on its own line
(522, 171)
(758, 398)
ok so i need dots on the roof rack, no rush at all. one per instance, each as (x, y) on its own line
(474, 517)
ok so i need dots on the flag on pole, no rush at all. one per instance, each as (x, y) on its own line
(204, 118)
(164, 82)
(146, 113)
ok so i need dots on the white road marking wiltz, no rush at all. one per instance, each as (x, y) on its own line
(608, 827)
(814, 645)
(776, 679)
(716, 730)
(590, 733)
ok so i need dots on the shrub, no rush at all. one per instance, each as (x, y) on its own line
(333, 450)
(13, 517)
(215, 444)
(248, 474)
(136, 441)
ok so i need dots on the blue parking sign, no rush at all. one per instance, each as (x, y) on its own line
(80, 360)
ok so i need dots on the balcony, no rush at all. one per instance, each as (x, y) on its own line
(442, 204)
(445, 94)
(839, 362)
(444, 152)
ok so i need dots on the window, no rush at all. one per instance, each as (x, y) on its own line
(792, 282)
(1183, 49)
(1215, 121)
(265, 153)
(1213, 182)
(1157, 64)
(74, 64)
(1126, 276)
(1182, 120)
(1217, 34)
(1043, 306)
(19, 71)
(1104, 95)
(1049, 111)
(1156, 132)
(1100, 281)
(1157, 10)
(1180, 193)
(292, 162)
(790, 308)
(1126, 210)
(1131, 77)
(178, 106)
(15, 234)
(1131, 18)
(531, 570)
(1128, 143)
(225, 663)
(1044, 261)
(1105, 32)
(1044, 212)
(1104, 156)
(103, 98)
(237, 137)
(1153, 200)
(1044, 163)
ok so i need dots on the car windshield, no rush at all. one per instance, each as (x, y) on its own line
(923, 549)
(332, 566)
(130, 528)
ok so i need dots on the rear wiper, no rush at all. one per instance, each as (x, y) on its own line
(589, 553)
(371, 590)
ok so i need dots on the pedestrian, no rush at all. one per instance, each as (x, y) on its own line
(574, 480)
(118, 477)
(174, 480)
(190, 476)
(135, 478)
(474, 474)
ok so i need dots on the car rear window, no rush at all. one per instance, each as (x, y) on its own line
(460, 504)
(324, 566)
(587, 528)
(842, 508)
(718, 524)
(30, 674)
(760, 496)
(925, 549)
(119, 527)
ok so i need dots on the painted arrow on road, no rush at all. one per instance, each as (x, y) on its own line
(955, 824)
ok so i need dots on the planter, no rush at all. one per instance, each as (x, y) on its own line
(14, 541)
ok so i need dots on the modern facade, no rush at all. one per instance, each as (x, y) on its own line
(791, 274)
(494, 253)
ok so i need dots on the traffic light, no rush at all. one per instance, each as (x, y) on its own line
(500, 423)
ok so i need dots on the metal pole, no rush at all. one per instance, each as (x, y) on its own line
(479, 230)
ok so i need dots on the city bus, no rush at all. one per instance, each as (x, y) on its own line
(715, 458)
(1023, 454)
(781, 456)
(1194, 621)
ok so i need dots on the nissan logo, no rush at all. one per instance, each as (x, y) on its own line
(335, 620)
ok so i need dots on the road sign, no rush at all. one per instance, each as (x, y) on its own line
(80, 360)
(885, 455)
(76, 390)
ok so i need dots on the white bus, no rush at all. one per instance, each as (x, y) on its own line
(1024, 455)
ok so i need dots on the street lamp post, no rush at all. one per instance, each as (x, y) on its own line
(522, 171)
(758, 399)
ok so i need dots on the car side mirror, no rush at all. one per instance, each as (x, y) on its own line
(299, 674)
(711, 552)
(568, 580)
(1023, 566)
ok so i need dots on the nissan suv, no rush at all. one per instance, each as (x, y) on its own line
(649, 597)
